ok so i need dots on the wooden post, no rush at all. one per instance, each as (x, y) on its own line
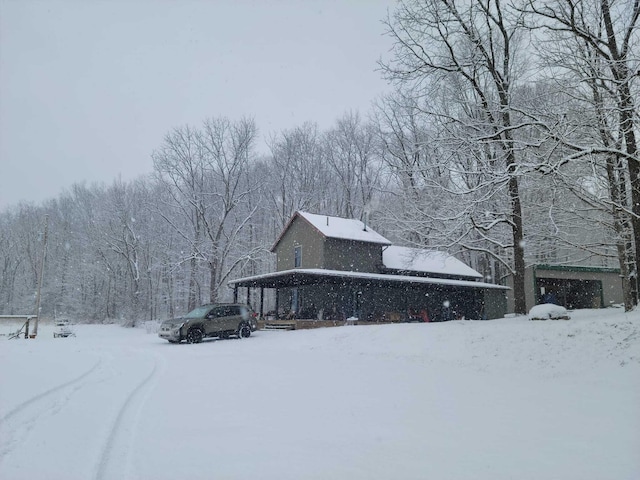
(248, 295)
(235, 293)
(261, 302)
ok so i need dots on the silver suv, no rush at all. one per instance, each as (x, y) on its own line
(215, 320)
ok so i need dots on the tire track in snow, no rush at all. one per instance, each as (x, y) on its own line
(31, 410)
(115, 458)
(42, 395)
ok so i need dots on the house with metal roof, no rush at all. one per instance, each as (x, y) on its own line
(332, 268)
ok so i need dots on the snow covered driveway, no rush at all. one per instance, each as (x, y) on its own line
(461, 400)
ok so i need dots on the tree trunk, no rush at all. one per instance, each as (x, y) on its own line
(520, 304)
(213, 278)
(191, 304)
(620, 221)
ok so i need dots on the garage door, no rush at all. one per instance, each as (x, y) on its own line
(570, 293)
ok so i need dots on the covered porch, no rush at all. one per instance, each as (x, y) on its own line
(314, 297)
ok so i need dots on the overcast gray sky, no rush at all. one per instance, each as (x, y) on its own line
(89, 88)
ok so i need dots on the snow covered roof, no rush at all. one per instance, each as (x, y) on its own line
(337, 227)
(426, 261)
(344, 228)
(302, 276)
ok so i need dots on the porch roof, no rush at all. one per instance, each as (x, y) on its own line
(316, 276)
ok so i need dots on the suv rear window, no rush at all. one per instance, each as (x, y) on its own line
(227, 311)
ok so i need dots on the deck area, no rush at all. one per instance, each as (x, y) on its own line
(308, 323)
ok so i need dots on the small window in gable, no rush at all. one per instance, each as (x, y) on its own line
(297, 256)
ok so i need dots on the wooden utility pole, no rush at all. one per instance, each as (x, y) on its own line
(44, 255)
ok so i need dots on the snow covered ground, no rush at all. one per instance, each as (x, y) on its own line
(502, 399)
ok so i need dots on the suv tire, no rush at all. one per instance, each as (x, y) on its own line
(194, 335)
(244, 330)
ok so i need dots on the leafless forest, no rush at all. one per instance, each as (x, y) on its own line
(510, 139)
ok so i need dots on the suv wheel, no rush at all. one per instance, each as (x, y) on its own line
(244, 331)
(194, 335)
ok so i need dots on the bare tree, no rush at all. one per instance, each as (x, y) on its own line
(298, 178)
(11, 263)
(227, 150)
(124, 234)
(593, 45)
(179, 166)
(205, 173)
(469, 52)
(404, 138)
(352, 152)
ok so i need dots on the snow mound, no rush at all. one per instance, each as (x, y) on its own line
(548, 311)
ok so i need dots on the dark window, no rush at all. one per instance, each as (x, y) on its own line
(226, 311)
(220, 312)
(297, 256)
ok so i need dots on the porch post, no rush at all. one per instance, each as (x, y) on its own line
(277, 302)
(261, 302)
(235, 293)
(248, 295)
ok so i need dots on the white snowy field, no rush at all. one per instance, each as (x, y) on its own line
(502, 399)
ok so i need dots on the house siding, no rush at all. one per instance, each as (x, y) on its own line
(495, 304)
(352, 256)
(326, 253)
(300, 233)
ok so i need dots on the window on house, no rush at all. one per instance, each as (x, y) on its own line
(297, 256)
